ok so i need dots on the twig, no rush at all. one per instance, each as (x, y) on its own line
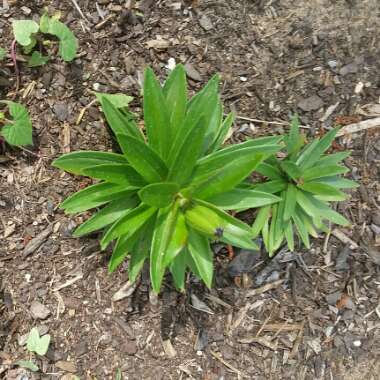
(14, 60)
(79, 10)
(361, 126)
(104, 21)
(228, 365)
(344, 238)
(262, 341)
(84, 109)
(267, 122)
(265, 288)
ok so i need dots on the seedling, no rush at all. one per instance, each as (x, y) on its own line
(35, 344)
(30, 35)
(166, 195)
(307, 180)
(17, 130)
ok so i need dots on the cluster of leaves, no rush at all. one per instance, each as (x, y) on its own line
(167, 194)
(28, 32)
(18, 129)
(306, 180)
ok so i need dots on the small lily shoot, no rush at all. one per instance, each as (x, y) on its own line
(306, 180)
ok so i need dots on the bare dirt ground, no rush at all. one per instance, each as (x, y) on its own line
(310, 315)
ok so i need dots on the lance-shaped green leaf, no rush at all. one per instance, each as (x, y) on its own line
(213, 123)
(307, 222)
(178, 270)
(164, 229)
(289, 236)
(122, 174)
(290, 201)
(270, 171)
(141, 250)
(323, 189)
(199, 107)
(106, 216)
(187, 154)
(159, 194)
(241, 199)
(305, 200)
(291, 169)
(262, 217)
(271, 187)
(315, 151)
(223, 132)
(294, 140)
(23, 31)
(227, 178)
(329, 214)
(339, 183)
(332, 159)
(119, 122)
(218, 159)
(128, 224)
(302, 231)
(175, 93)
(143, 159)
(76, 162)
(19, 131)
(178, 241)
(323, 171)
(89, 197)
(156, 116)
(201, 253)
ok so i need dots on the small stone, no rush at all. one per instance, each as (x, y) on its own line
(311, 103)
(81, 349)
(332, 64)
(129, 347)
(357, 343)
(205, 23)
(66, 366)
(61, 110)
(376, 218)
(192, 73)
(333, 298)
(243, 262)
(27, 11)
(351, 68)
(39, 311)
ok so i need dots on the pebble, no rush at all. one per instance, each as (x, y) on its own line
(332, 64)
(129, 347)
(351, 68)
(205, 23)
(192, 73)
(311, 103)
(61, 110)
(39, 311)
(27, 11)
(333, 298)
(243, 262)
(66, 366)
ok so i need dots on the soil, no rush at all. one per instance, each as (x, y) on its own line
(314, 314)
